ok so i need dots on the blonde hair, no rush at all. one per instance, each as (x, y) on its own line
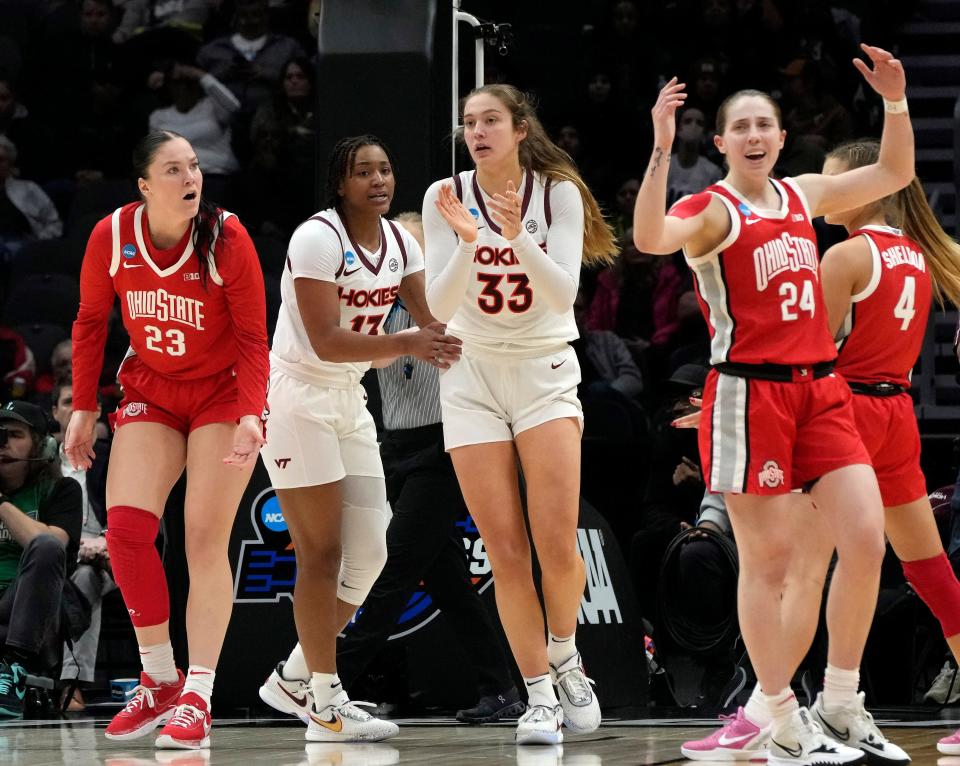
(539, 153)
(909, 210)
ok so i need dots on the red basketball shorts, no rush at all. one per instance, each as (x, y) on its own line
(889, 431)
(762, 437)
(183, 405)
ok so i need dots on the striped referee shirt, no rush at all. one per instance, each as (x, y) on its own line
(409, 388)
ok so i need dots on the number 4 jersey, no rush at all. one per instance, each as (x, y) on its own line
(759, 289)
(181, 326)
(367, 283)
(881, 336)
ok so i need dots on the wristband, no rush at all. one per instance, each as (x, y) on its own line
(895, 107)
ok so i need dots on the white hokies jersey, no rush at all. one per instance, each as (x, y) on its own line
(501, 311)
(367, 283)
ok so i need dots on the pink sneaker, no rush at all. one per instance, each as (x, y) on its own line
(737, 740)
(950, 745)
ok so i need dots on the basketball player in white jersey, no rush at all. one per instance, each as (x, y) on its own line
(345, 268)
(504, 245)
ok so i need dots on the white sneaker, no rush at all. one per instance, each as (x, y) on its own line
(854, 726)
(945, 689)
(581, 711)
(802, 743)
(344, 721)
(540, 725)
(350, 754)
(290, 697)
(548, 755)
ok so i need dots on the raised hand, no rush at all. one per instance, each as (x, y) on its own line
(886, 77)
(664, 114)
(431, 344)
(690, 420)
(506, 209)
(456, 215)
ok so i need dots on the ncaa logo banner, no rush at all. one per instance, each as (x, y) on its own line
(266, 569)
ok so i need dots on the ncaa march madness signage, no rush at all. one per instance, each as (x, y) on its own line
(266, 569)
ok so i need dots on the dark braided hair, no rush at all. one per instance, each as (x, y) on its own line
(207, 218)
(341, 164)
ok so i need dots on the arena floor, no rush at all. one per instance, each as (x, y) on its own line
(435, 741)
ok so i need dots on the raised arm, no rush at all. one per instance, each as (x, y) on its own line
(450, 242)
(895, 167)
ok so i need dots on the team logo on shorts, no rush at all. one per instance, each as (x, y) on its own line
(134, 409)
(771, 476)
(394, 264)
(129, 250)
(532, 226)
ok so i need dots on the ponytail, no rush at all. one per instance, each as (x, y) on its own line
(540, 154)
(909, 211)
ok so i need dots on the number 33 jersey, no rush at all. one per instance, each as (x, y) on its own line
(759, 290)
(502, 310)
(881, 336)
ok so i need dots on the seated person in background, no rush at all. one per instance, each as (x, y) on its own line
(93, 576)
(26, 212)
(40, 519)
(605, 362)
(689, 170)
(61, 360)
(18, 367)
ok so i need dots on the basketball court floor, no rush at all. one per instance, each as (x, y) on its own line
(430, 742)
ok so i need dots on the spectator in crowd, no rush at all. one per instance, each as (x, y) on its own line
(40, 520)
(142, 16)
(25, 131)
(201, 111)
(624, 201)
(706, 87)
(284, 141)
(606, 367)
(92, 576)
(689, 170)
(17, 365)
(250, 62)
(811, 113)
(61, 360)
(26, 212)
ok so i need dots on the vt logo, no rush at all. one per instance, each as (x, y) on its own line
(282, 462)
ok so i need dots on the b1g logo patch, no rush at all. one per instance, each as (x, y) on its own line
(771, 476)
(394, 264)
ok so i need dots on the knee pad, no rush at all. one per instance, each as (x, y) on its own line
(363, 537)
(137, 569)
(935, 582)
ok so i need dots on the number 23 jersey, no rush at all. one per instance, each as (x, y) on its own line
(759, 290)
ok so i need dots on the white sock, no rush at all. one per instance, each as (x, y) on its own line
(326, 690)
(295, 668)
(559, 650)
(839, 688)
(540, 691)
(756, 708)
(781, 707)
(157, 661)
(200, 682)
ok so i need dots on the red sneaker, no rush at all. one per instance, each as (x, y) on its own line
(152, 703)
(189, 729)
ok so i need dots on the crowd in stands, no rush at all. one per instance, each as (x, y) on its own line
(81, 80)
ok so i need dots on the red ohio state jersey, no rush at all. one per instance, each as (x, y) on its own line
(759, 290)
(881, 335)
(179, 327)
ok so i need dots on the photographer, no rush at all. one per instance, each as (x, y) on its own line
(40, 519)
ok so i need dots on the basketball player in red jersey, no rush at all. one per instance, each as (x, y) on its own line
(776, 417)
(194, 389)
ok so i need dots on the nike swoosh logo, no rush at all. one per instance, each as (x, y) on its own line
(344, 584)
(348, 273)
(336, 725)
(554, 366)
(796, 752)
(133, 265)
(725, 740)
(843, 736)
(753, 220)
(301, 702)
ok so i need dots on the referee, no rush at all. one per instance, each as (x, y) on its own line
(422, 541)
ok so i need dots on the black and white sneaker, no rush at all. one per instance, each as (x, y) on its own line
(494, 707)
(802, 743)
(854, 726)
